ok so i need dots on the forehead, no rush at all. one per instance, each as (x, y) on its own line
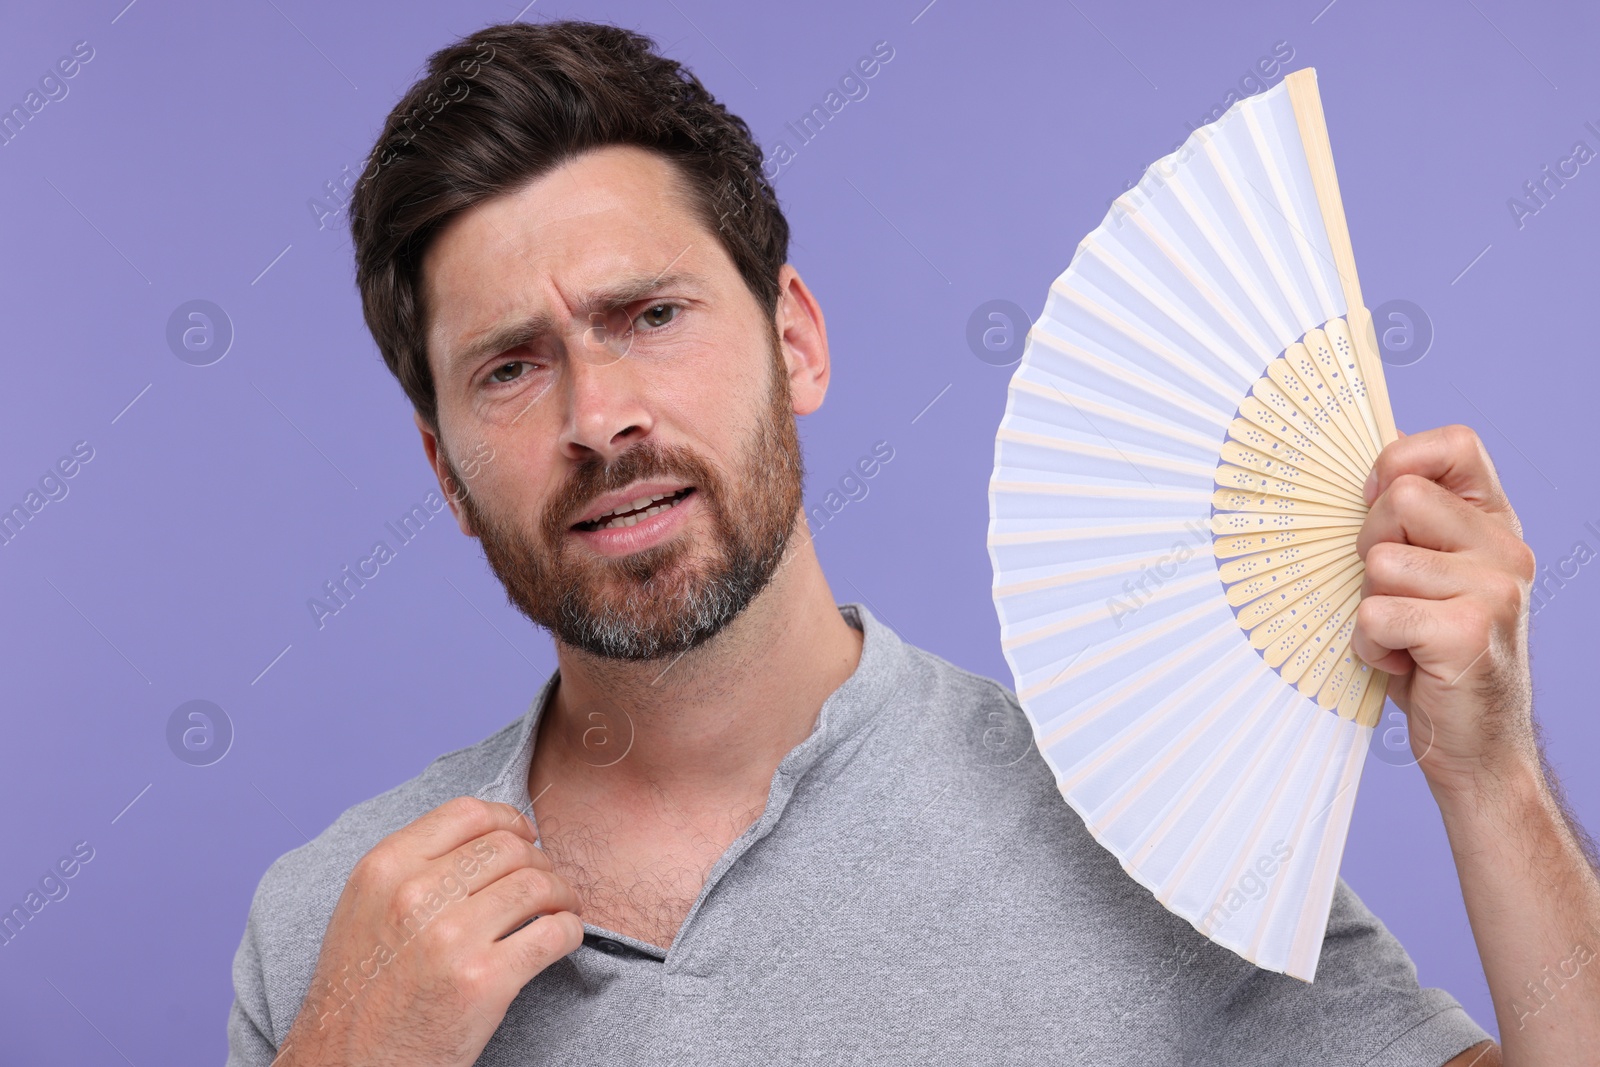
(610, 212)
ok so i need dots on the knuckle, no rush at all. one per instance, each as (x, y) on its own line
(548, 939)
(464, 807)
(529, 887)
(378, 867)
(510, 810)
(1507, 590)
(1409, 491)
(1461, 438)
(410, 896)
(472, 975)
(1386, 561)
(502, 842)
(1475, 622)
(1524, 563)
(447, 929)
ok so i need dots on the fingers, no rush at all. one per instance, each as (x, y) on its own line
(507, 903)
(456, 822)
(1396, 569)
(1421, 512)
(1447, 636)
(486, 859)
(1454, 457)
(1379, 654)
(1399, 570)
(537, 945)
(531, 919)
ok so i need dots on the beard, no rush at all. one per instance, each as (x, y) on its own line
(672, 597)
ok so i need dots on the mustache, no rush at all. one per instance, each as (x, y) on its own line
(591, 480)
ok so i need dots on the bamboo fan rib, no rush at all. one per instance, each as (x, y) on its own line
(1173, 516)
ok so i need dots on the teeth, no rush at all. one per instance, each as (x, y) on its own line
(636, 505)
(630, 520)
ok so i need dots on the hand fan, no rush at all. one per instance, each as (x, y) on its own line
(1173, 516)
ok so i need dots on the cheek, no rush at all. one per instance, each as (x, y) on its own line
(514, 488)
(703, 406)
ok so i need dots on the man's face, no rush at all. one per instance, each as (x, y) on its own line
(653, 373)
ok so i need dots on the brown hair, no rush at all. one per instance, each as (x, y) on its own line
(511, 102)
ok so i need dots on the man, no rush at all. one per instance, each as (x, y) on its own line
(743, 823)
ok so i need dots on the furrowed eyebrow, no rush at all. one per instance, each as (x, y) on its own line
(515, 332)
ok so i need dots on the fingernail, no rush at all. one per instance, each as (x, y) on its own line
(1369, 490)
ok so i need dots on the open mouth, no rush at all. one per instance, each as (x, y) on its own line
(635, 511)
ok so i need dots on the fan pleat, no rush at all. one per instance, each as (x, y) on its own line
(1063, 364)
(1107, 413)
(1177, 254)
(1184, 316)
(1069, 728)
(1196, 879)
(1186, 739)
(1167, 359)
(1160, 844)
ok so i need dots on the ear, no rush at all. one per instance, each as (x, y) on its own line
(803, 336)
(448, 486)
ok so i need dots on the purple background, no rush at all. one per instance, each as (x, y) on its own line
(180, 165)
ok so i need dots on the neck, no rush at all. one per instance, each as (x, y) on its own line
(709, 724)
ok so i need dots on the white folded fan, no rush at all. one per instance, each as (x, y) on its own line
(1173, 515)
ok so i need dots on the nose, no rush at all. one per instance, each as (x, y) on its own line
(606, 413)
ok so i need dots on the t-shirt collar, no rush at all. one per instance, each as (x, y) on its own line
(847, 708)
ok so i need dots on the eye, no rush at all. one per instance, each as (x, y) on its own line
(495, 375)
(651, 315)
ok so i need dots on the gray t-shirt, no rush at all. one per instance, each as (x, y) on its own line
(916, 891)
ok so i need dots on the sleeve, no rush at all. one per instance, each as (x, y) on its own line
(1364, 1009)
(249, 1020)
